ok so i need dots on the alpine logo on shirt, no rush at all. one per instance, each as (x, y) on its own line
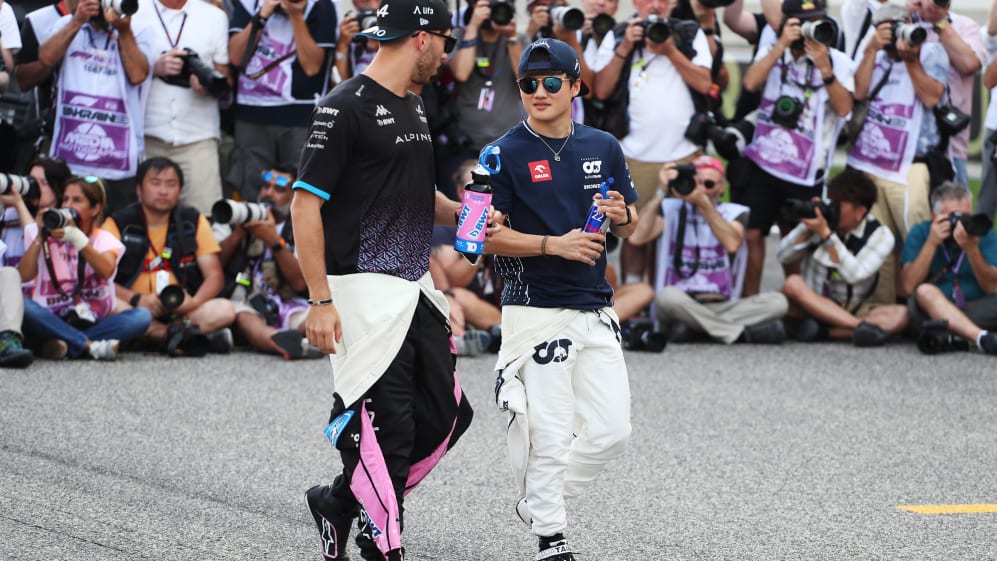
(540, 171)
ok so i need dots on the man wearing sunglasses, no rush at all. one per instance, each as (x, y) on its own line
(701, 261)
(363, 212)
(560, 350)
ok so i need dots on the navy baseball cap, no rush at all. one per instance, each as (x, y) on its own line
(551, 55)
(803, 9)
(397, 18)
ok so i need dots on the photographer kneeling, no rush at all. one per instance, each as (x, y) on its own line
(266, 280)
(701, 259)
(843, 249)
(170, 247)
(71, 260)
(949, 264)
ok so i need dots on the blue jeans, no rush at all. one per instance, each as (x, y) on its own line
(41, 325)
(961, 172)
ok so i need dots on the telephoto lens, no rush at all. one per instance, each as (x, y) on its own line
(171, 297)
(913, 34)
(502, 11)
(55, 218)
(227, 211)
(821, 31)
(25, 185)
(120, 7)
(656, 29)
(603, 24)
(569, 18)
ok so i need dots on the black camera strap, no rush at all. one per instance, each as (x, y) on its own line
(680, 245)
(81, 264)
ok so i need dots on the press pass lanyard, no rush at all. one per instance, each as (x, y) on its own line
(808, 87)
(81, 264)
(169, 38)
(957, 295)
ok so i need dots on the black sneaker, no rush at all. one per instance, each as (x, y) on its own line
(221, 341)
(293, 345)
(332, 519)
(988, 343)
(554, 548)
(810, 331)
(770, 332)
(869, 335)
(12, 352)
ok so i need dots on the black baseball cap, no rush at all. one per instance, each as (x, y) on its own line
(553, 55)
(397, 18)
(803, 9)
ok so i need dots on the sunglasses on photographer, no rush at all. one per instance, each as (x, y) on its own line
(281, 181)
(529, 84)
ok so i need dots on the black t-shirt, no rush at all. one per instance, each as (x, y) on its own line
(369, 154)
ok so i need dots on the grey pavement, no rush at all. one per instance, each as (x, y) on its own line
(738, 452)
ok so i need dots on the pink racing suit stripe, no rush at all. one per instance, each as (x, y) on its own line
(421, 469)
(372, 486)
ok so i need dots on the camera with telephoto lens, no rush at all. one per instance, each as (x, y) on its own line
(821, 31)
(656, 29)
(211, 79)
(120, 7)
(685, 183)
(227, 211)
(603, 24)
(367, 18)
(935, 338)
(502, 12)
(795, 209)
(728, 141)
(913, 34)
(786, 111)
(26, 185)
(639, 335)
(975, 224)
(55, 218)
(570, 18)
(171, 297)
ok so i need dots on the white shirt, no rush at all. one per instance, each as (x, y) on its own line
(660, 104)
(175, 114)
(10, 37)
(990, 44)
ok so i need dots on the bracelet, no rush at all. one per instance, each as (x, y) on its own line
(829, 80)
(543, 245)
(325, 302)
(277, 246)
(512, 41)
(617, 53)
(341, 56)
(708, 31)
(134, 299)
(465, 43)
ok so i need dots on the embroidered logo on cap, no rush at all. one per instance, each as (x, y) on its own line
(540, 171)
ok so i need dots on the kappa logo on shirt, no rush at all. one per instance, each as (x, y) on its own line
(381, 111)
(540, 171)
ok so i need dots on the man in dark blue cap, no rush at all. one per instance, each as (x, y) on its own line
(398, 407)
(562, 377)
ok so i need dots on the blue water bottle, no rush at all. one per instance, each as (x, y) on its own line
(596, 221)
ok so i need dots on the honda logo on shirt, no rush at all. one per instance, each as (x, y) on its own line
(540, 171)
(381, 111)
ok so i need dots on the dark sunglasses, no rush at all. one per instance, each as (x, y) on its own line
(280, 180)
(529, 84)
(449, 42)
(709, 183)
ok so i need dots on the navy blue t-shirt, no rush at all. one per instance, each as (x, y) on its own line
(541, 195)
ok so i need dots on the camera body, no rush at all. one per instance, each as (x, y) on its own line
(728, 142)
(685, 183)
(80, 316)
(913, 34)
(171, 297)
(25, 185)
(935, 338)
(656, 29)
(639, 335)
(266, 307)
(975, 224)
(787, 110)
(603, 24)
(55, 218)
(570, 18)
(795, 209)
(503, 11)
(227, 211)
(366, 18)
(211, 79)
(121, 7)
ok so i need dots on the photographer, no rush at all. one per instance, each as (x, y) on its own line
(949, 264)
(659, 80)
(806, 91)
(182, 121)
(100, 55)
(168, 246)
(72, 261)
(701, 257)
(842, 249)
(353, 53)
(20, 210)
(258, 255)
(282, 48)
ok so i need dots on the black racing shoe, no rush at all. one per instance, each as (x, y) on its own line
(333, 520)
(869, 335)
(554, 548)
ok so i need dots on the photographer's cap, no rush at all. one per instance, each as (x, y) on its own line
(889, 12)
(709, 162)
(397, 18)
(554, 56)
(803, 9)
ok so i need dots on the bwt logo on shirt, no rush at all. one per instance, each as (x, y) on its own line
(540, 171)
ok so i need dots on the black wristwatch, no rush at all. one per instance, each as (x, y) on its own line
(630, 218)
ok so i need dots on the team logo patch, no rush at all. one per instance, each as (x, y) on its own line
(540, 171)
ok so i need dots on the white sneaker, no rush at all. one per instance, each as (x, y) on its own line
(104, 350)
(523, 511)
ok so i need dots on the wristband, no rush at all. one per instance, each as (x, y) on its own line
(943, 23)
(325, 302)
(465, 43)
(543, 245)
(630, 219)
(341, 56)
(277, 246)
(829, 80)
(75, 236)
(709, 31)
(512, 40)
(134, 299)
(258, 21)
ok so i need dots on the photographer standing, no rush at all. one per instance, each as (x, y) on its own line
(353, 53)
(72, 308)
(643, 60)
(182, 121)
(842, 249)
(170, 246)
(806, 92)
(259, 261)
(949, 264)
(701, 259)
(101, 56)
